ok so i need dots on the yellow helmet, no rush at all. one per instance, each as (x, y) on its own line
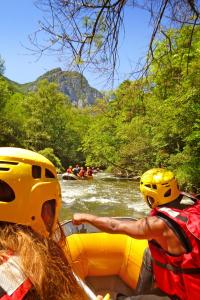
(28, 181)
(159, 187)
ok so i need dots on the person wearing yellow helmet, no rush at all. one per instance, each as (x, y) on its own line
(32, 262)
(173, 232)
(159, 187)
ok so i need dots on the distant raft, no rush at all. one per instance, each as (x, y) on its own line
(71, 176)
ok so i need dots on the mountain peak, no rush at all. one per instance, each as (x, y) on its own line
(72, 84)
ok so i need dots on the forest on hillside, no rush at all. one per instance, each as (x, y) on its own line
(150, 122)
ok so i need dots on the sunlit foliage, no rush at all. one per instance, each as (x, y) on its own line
(151, 122)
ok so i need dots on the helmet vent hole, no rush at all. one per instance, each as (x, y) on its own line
(8, 162)
(4, 169)
(36, 172)
(49, 174)
(48, 213)
(168, 193)
(154, 186)
(148, 185)
(6, 192)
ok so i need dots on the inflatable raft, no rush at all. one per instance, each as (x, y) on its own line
(70, 176)
(107, 263)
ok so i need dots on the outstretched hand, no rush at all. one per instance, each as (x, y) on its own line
(80, 218)
(77, 219)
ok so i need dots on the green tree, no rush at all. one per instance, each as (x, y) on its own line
(154, 122)
(52, 122)
(173, 107)
(6, 136)
(14, 113)
(116, 138)
(46, 121)
(49, 153)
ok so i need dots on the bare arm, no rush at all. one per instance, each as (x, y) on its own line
(146, 228)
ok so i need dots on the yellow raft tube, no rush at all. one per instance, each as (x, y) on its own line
(107, 263)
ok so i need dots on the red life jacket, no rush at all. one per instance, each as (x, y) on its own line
(81, 173)
(89, 172)
(179, 276)
(14, 285)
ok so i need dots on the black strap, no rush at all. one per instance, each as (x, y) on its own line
(177, 270)
(177, 230)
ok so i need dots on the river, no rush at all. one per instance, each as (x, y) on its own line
(105, 195)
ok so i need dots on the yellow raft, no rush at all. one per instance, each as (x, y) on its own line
(107, 263)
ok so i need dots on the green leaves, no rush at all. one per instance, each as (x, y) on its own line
(154, 124)
(49, 153)
(145, 123)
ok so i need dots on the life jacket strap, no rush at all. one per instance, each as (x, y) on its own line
(177, 270)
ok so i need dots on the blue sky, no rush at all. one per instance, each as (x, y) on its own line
(19, 18)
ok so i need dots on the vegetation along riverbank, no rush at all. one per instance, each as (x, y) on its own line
(142, 124)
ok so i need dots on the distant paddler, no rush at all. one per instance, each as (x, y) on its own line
(89, 173)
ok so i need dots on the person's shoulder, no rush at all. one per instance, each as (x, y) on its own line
(154, 219)
(155, 224)
(149, 227)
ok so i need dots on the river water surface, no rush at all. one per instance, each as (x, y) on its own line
(105, 195)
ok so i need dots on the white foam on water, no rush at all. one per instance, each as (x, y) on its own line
(69, 201)
(72, 193)
(139, 207)
(91, 199)
(100, 200)
(92, 189)
(112, 195)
